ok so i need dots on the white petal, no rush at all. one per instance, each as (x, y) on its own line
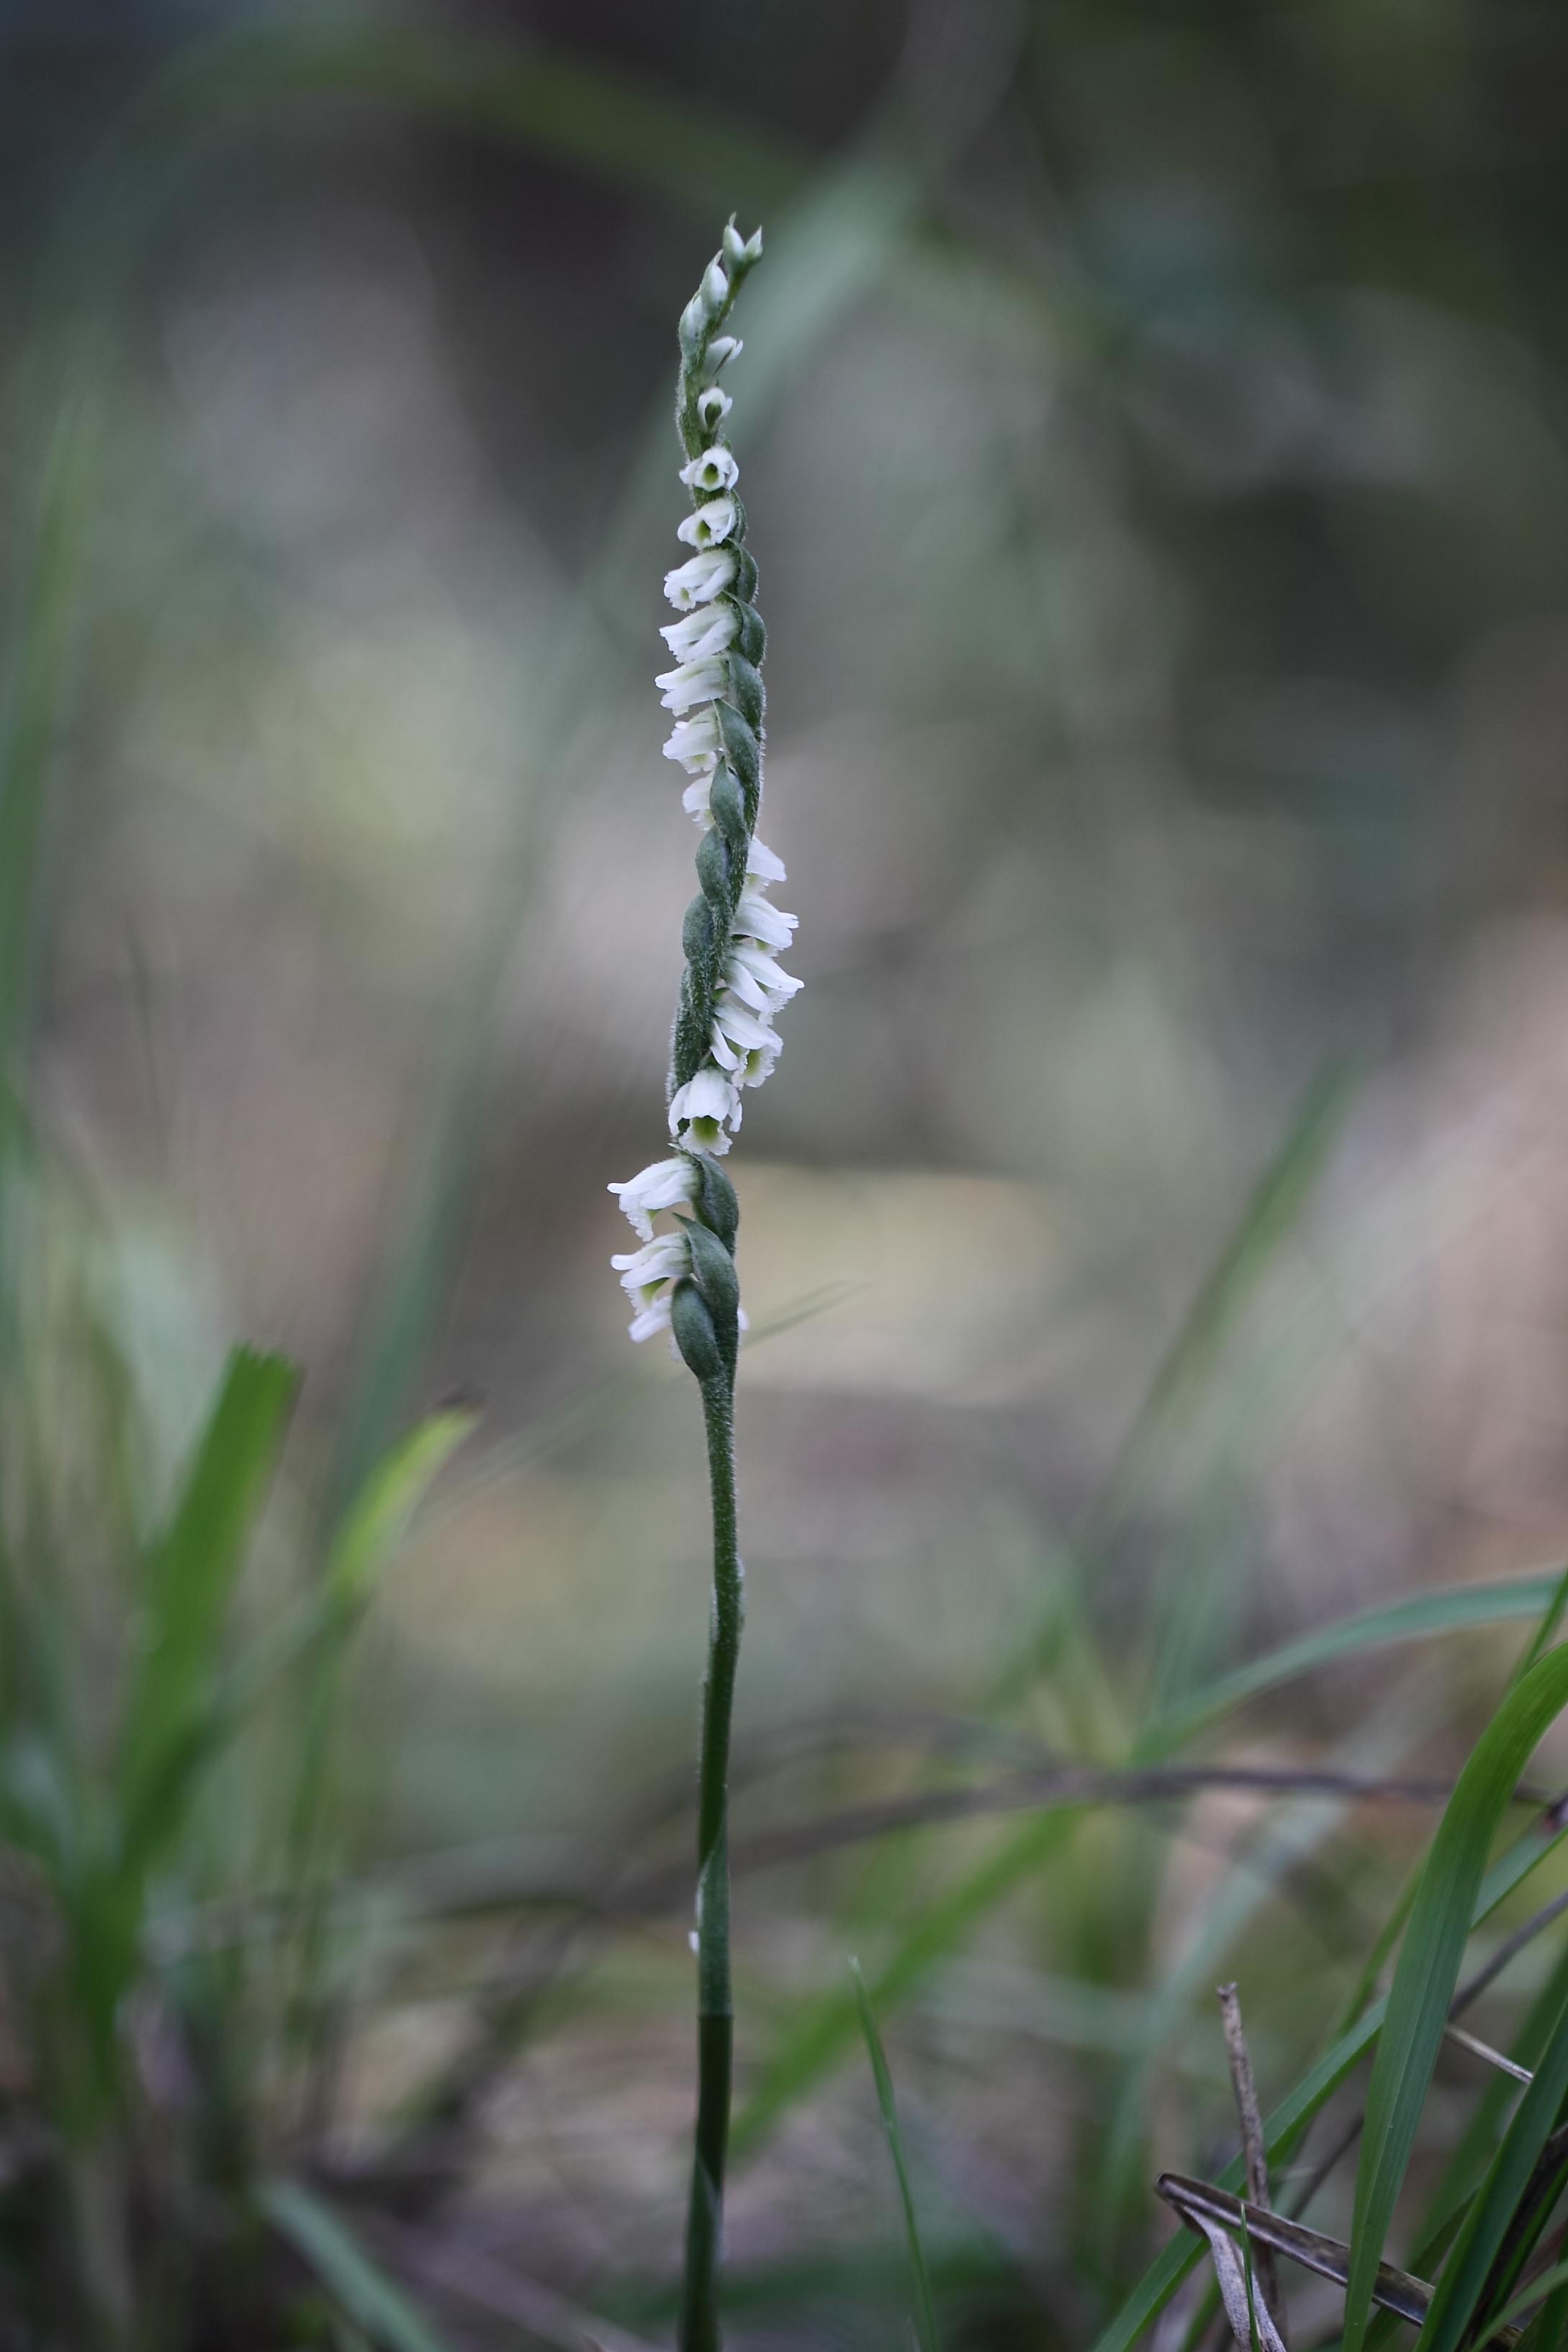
(652, 1320)
(693, 682)
(757, 919)
(706, 630)
(762, 863)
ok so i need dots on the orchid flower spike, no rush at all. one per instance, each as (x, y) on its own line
(724, 1039)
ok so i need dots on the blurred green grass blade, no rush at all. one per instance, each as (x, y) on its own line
(1269, 1216)
(1546, 1632)
(1453, 1609)
(1295, 2110)
(1552, 2323)
(820, 2039)
(379, 1517)
(37, 692)
(925, 2307)
(193, 1567)
(582, 113)
(369, 2297)
(1428, 1966)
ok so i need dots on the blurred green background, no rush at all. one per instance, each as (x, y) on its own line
(1151, 422)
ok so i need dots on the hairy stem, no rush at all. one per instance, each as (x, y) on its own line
(700, 2300)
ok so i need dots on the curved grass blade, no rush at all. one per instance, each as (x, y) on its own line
(357, 2284)
(925, 2307)
(193, 1571)
(1453, 1609)
(1428, 1966)
(1551, 2284)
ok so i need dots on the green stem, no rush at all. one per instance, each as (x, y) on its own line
(700, 2300)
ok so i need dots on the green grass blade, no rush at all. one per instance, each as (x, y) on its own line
(925, 2307)
(379, 1517)
(1550, 2284)
(1453, 1609)
(193, 1570)
(819, 2042)
(1271, 1215)
(1429, 1966)
(37, 692)
(369, 2297)
(632, 133)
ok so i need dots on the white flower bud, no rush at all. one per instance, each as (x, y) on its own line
(700, 581)
(737, 249)
(715, 469)
(709, 524)
(714, 290)
(712, 407)
(720, 351)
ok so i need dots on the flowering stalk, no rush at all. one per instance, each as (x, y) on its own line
(682, 1279)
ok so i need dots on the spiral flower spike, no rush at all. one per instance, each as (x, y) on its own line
(682, 1279)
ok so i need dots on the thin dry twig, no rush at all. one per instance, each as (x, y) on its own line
(1255, 2147)
(1484, 2051)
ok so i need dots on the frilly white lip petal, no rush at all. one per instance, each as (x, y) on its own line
(665, 1184)
(709, 524)
(749, 969)
(648, 1275)
(700, 581)
(697, 800)
(757, 919)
